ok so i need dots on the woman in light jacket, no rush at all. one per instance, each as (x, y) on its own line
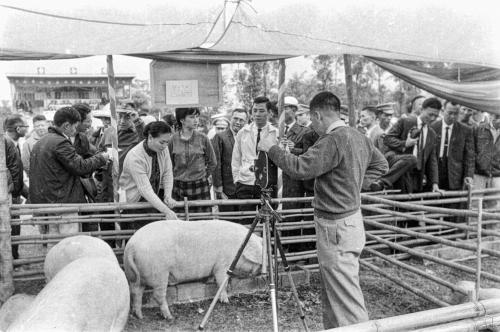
(147, 171)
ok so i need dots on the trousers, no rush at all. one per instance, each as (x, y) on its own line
(339, 244)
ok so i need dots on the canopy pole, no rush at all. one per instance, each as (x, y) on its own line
(348, 84)
(281, 85)
(6, 267)
(114, 122)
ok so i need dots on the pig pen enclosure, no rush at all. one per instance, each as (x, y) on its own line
(417, 249)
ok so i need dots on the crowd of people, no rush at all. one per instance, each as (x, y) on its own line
(438, 146)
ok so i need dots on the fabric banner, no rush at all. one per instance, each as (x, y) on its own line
(480, 90)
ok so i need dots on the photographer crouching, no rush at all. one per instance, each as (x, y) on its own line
(342, 161)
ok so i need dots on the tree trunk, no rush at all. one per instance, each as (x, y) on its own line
(348, 84)
(114, 124)
(281, 85)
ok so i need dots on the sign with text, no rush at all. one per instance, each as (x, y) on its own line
(184, 84)
(182, 92)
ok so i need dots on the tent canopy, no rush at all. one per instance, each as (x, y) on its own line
(243, 31)
(448, 31)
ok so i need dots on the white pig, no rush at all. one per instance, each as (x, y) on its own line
(88, 294)
(72, 248)
(470, 288)
(12, 308)
(174, 251)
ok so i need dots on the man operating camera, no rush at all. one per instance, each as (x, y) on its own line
(342, 161)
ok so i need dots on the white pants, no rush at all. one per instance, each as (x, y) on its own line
(484, 182)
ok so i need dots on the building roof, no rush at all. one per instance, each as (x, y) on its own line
(34, 75)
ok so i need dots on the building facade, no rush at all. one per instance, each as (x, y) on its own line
(40, 92)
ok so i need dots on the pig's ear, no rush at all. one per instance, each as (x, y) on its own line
(253, 251)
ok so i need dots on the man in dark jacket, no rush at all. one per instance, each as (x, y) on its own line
(15, 184)
(487, 147)
(412, 157)
(56, 168)
(292, 138)
(80, 140)
(223, 144)
(455, 150)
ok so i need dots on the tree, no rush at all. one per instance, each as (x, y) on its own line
(140, 93)
(301, 88)
(256, 79)
(324, 74)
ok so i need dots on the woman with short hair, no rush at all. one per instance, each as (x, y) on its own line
(193, 159)
(147, 170)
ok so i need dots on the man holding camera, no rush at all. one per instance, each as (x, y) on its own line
(412, 158)
(342, 161)
(245, 152)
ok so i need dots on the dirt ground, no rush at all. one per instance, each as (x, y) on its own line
(253, 312)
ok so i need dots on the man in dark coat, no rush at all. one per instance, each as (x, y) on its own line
(455, 150)
(412, 157)
(56, 168)
(15, 184)
(292, 138)
(223, 144)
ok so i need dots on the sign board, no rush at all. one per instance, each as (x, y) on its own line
(182, 92)
(183, 84)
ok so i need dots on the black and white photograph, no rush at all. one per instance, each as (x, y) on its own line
(250, 165)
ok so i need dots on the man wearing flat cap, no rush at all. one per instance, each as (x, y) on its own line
(291, 137)
(384, 116)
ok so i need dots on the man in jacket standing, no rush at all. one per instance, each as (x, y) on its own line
(343, 161)
(223, 144)
(245, 152)
(455, 150)
(56, 167)
(487, 147)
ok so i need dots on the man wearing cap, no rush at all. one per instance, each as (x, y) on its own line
(303, 116)
(384, 115)
(130, 128)
(308, 140)
(291, 137)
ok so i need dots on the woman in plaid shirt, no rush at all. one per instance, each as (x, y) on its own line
(193, 159)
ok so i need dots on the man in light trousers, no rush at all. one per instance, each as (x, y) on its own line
(342, 161)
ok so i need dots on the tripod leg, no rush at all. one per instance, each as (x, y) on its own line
(286, 267)
(272, 286)
(229, 273)
(212, 305)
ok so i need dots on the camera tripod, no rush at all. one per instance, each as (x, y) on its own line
(268, 217)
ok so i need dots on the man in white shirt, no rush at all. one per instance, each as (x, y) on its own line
(455, 150)
(245, 151)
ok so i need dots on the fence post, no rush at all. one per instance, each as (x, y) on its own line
(479, 235)
(186, 208)
(6, 267)
(469, 207)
